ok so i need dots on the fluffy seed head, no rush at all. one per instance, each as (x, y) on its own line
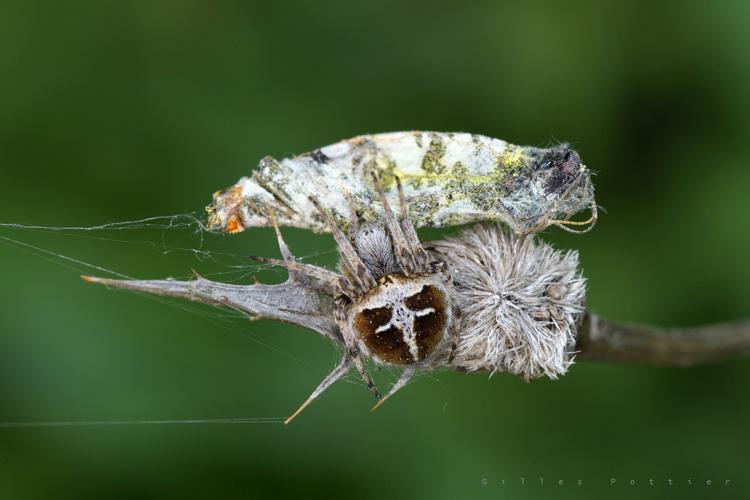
(521, 301)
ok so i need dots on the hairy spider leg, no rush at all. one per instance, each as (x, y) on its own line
(296, 268)
(307, 269)
(419, 255)
(340, 305)
(351, 356)
(406, 375)
(286, 254)
(360, 278)
(401, 247)
(359, 364)
(354, 217)
(356, 271)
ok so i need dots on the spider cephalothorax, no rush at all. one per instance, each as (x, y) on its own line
(393, 303)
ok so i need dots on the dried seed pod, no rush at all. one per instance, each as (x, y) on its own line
(521, 301)
(448, 179)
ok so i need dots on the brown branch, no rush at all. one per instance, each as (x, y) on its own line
(603, 340)
(599, 339)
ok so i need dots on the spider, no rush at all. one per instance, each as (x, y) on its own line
(392, 303)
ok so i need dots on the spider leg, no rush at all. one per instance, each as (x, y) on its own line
(410, 233)
(346, 287)
(401, 246)
(336, 374)
(354, 218)
(340, 304)
(406, 375)
(296, 270)
(358, 272)
(307, 269)
(359, 364)
(283, 248)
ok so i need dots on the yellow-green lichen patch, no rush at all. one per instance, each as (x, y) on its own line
(432, 162)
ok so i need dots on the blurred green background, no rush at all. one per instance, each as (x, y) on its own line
(114, 111)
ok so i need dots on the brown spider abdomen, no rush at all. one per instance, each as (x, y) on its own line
(426, 317)
(389, 346)
(431, 327)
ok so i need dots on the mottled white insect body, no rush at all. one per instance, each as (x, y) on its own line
(448, 179)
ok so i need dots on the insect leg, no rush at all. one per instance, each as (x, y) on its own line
(591, 221)
(563, 224)
(338, 372)
(406, 375)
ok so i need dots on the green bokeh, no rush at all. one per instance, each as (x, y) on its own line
(113, 111)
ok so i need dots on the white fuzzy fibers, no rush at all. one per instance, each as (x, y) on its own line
(521, 301)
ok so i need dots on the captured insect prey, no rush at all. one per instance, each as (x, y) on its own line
(448, 179)
(484, 300)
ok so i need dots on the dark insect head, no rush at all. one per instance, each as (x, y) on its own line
(564, 166)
